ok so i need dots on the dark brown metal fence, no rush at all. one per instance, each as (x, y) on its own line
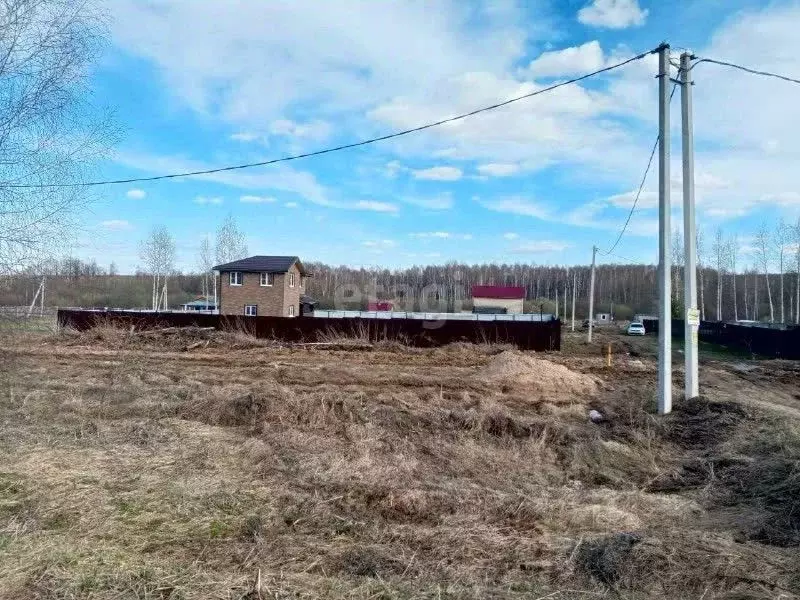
(540, 336)
(770, 342)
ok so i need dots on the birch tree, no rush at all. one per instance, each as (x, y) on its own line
(205, 261)
(701, 273)
(733, 250)
(796, 236)
(780, 244)
(677, 266)
(764, 252)
(157, 251)
(49, 135)
(719, 249)
(231, 243)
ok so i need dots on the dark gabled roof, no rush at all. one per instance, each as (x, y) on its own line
(263, 264)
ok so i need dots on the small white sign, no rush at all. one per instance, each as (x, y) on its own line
(693, 316)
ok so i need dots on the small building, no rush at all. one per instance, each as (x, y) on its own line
(261, 286)
(503, 299)
(307, 304)
(201, 303)
(603, 318)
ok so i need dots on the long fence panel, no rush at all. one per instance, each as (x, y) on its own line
(540, 336)
(772, 342)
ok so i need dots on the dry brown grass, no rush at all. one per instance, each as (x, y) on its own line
(131, 467)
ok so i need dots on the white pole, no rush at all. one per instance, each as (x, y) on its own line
(216, 304)
(574, 285)
(692, 388)
(664, 230)
(591, 294)
(35, 298)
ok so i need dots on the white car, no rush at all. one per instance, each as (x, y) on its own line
(636, 329)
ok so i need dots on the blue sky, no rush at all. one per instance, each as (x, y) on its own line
(198, 83)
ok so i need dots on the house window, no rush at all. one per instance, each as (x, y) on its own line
(291, 310)
(250, 310)
(266, 279)
(291, 279)
(236, 278)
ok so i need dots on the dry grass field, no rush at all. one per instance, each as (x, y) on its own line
(197, 465)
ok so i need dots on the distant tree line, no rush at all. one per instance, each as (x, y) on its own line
(767, 289)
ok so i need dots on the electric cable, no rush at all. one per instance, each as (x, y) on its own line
(343, 146)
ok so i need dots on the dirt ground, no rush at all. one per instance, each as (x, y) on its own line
(203, 465)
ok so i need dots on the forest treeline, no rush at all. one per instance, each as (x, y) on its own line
(625, 289)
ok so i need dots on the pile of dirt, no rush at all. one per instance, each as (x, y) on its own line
(538, 376)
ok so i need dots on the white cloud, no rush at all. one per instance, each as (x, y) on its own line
(518, 205)
(379, 243)
(498, 169)
(291, 205)
(440, 202)
(251, 199)
(722, 212)
(646, 200)
(116, 225)
(441, 235)
(613, 14)
(278, 177)
(576, 60)
(316, 130)
(783, 198)
(569, 125)
(438, 174)
(382, 207)
(245, 65)
(393, 167)
(510, 235)
(244, 136)
(591, 215)
(208, 200)
(540, 246)
(136, 194)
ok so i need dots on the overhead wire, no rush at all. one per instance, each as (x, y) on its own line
(630, 260)
(658, 137)
(641, 188)
(746, 69)
(343, 146)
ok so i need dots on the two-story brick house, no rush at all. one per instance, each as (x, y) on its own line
(261, 286)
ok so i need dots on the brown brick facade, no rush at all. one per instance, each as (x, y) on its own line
(272, 301)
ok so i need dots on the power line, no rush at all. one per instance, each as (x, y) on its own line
(344, 146)
(630, 260)
(641, 187)
(747, 69)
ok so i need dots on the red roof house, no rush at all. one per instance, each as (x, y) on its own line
(380, 305)
(498, 299)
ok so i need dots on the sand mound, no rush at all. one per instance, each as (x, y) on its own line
(537, 375)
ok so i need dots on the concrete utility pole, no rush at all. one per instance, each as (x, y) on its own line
(216, 304)
(591, 294)
(692, 316)
(574, 285)
(664, 232)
